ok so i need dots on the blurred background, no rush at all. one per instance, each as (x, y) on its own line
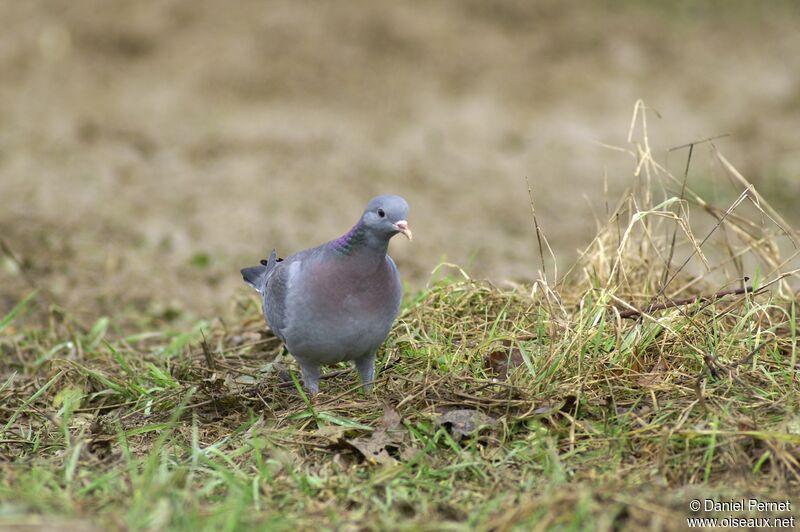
(150, 149)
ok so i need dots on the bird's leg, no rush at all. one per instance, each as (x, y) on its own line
(310, 377)
(366, 368)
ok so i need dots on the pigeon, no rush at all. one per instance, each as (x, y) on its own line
(336, 301)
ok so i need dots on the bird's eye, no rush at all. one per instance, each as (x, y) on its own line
(381, 213)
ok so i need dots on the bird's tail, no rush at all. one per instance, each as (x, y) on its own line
(257, 275)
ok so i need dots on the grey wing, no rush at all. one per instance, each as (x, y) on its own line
(275, 297)
(398, 284)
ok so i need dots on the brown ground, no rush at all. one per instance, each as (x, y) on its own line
(150, 149)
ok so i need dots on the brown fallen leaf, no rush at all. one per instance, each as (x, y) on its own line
(655, 375)
(375, 448)
(390, 419)
(333, 433)
(500, 362)
(389, 436)
(465, 422)
(556, 407)
(101, 446)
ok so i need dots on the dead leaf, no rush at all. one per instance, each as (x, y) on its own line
(465, 422)
(655, 376)
(500, 362)
(390, 419)
(378, 448)
(333, 433)
(374, 449)
(101, 446)
(556, 407)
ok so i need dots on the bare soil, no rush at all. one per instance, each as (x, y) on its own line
(150, 149)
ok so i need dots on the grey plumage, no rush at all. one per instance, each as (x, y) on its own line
(337, 301)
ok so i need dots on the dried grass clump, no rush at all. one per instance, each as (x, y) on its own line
(661, 365)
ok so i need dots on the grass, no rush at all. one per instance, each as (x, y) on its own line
(587, 420)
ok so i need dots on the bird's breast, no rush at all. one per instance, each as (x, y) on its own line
(348, 313)
(350, 291)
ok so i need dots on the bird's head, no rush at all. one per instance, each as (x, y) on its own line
(387, 216)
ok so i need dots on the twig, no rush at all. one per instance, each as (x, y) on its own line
(746, 359)
(690, 145)
(209, 356)
(632, 313)
(675, 228)
(540, 237)
(698, 391)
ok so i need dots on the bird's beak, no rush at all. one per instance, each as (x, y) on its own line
(402, 226)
